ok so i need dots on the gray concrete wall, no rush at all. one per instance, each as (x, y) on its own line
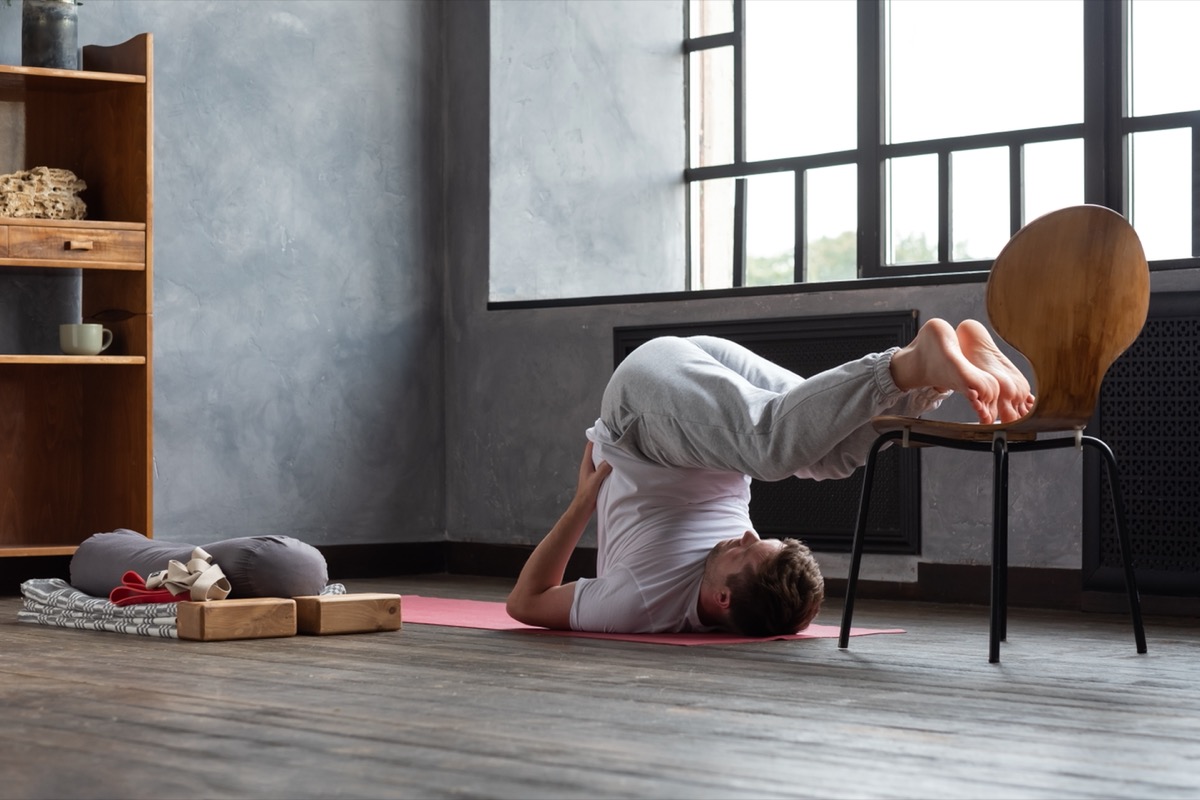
(298, 332)
(587, 124)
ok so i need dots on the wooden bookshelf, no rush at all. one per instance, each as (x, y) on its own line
(76, 448)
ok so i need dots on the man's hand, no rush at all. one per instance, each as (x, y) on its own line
(591, 477)
(540, 597)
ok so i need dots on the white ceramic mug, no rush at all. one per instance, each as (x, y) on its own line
(84, 339)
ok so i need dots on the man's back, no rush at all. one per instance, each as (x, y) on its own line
(655, 526)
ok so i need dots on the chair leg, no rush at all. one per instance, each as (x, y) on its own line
(860, 531)
(999, 599)
(1118, 501)
(1002, 531)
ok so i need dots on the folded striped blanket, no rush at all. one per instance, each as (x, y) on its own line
(53, 601)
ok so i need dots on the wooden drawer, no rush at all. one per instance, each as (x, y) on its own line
(46, 243)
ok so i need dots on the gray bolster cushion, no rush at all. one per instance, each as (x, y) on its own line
(256, 566)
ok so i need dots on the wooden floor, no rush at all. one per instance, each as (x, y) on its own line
(1072, 711)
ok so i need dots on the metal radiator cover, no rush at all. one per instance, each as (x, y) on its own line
(1148, 414)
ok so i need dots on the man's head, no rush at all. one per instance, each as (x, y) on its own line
(761, 587)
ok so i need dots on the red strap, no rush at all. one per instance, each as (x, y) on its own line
(133, 591)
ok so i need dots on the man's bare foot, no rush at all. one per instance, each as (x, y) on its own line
(1015, 399)
(935, 358)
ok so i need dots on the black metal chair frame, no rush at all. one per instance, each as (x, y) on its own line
(1000, 447)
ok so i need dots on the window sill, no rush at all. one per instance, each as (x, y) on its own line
(887, 282)
(940, 279)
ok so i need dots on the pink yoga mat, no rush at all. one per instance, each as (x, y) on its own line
(491, 616)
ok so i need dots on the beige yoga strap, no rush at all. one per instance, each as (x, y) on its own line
(199, 578)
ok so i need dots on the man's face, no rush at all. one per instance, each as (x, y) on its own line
(731, 556)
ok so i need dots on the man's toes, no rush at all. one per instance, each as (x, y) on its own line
(985, 409)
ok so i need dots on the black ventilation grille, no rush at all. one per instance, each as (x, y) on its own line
(1149, 414)
(821, 513)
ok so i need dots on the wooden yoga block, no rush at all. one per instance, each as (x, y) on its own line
(248, 618)
(348, 613)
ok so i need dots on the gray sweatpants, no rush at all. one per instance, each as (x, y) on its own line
(708, 403)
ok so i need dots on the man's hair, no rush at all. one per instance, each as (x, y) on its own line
(782, 596)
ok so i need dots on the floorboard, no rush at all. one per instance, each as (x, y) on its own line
(1072, 711)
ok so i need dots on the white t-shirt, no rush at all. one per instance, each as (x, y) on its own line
(655, 526)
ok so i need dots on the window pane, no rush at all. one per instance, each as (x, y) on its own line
(712, 107)
(712, 234)
(1162, 56)
(979, 214)
(1053, 177)
(831, 224)
(708, 17)
(912, 209)
(800, 78)
(771, 229)
(1161, 211)
(988, 65)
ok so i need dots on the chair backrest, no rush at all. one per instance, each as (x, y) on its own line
(1070, 292)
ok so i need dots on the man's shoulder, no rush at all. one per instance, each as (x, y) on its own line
(611, 603)
(624, 601)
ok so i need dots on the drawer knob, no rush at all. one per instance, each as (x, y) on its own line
(78, 244)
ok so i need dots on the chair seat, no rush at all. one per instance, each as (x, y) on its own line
(963, 431)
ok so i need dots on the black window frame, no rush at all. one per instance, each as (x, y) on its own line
(1105, 132)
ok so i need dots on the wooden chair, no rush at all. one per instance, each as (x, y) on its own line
(1070, 292)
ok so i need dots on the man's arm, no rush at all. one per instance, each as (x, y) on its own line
(540, 597)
